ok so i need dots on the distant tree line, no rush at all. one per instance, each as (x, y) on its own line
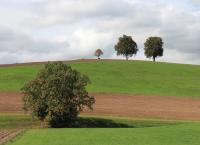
(126, 46)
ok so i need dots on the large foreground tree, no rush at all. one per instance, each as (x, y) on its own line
(57, 94)
(126, 46)
(153, 47)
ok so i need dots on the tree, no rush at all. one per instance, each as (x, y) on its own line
(153, 47)
(57, 94)
(126, 46)
(98, 53)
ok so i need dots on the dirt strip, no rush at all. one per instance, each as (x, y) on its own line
(125, 105)
(147, 106)
(10, 102)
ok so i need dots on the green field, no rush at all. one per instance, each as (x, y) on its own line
(20, 121)
(183, 134)
(140, 132)
(132, 77)
(17, 121)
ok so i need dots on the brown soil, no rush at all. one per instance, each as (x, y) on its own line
(147, 106)
(10, 102)
(125, 105)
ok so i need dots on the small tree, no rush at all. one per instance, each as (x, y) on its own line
(126, 46)
(153, 47)
(57, 94)
(98, 53)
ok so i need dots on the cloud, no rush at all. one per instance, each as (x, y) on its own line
(16, 46)
(196, 2)
(49, 29)
(181, 31)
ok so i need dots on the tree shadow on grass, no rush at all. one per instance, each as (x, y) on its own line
(97, 123)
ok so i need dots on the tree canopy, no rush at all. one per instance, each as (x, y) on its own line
(153, 47)
(57, 94)
(126, 46)
(98, 53)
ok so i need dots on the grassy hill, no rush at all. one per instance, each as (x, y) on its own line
(132, 77)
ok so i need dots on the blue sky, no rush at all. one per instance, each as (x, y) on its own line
(42, 30)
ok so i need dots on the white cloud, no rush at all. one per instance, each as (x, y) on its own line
(196, 2)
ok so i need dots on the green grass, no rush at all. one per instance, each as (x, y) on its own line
(132, 77)
(182, 134)
(13, 78)
(143, 78)
(21, 121)
(17, 121)
(143, 132)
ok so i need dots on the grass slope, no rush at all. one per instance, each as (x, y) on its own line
(17, 121)
(22, 121)
(184, 134)
(13, 78)
(132, 77)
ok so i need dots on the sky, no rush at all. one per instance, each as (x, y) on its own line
(49, 30)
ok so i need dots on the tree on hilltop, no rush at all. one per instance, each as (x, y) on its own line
(153, 47)
(126, 46)
(98, 53)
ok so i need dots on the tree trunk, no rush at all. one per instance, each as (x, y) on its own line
(42, 123)
(126, 57)
(154, 58)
